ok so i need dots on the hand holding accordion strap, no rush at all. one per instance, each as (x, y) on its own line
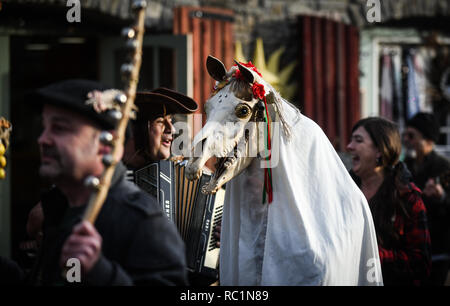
(130, 72)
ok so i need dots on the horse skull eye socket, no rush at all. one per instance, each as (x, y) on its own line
(242, 111)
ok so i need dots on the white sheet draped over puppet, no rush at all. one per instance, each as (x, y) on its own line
(318, 230)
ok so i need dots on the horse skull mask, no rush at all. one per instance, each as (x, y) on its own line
(318, 229)
(233, 131)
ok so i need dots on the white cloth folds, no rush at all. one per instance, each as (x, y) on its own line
(317, 231)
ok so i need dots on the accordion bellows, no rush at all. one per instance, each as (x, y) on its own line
(195, 214)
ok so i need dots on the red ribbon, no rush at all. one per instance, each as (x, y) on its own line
(268, 188)
(259, 93)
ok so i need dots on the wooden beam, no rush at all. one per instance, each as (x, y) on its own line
(329, 73)
(341, 48)
(228, 45)
(353, 76)
(317, 71)
(217, 31)
(206, 80)
(306, 80)
(196, 46)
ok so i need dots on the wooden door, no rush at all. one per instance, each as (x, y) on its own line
(212, 34)
(329, 82)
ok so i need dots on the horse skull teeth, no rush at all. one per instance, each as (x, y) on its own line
(204, 188)
(209, 188)
(229, 162)
(194, 175)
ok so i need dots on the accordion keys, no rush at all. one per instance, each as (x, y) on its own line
(195, 214)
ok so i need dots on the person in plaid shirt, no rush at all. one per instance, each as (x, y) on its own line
(430, 171)
(396, 204)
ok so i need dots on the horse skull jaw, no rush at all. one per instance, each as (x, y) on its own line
(193, 171)
(230, 162)
(224, 172)
(210, 188)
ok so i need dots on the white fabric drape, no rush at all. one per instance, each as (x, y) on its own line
(317, 231)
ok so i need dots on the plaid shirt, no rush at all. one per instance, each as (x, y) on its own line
(409, 263)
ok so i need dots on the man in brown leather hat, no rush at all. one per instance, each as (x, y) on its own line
(153, 130)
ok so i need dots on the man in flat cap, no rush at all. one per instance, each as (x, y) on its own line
(427, 168)
(131, 242)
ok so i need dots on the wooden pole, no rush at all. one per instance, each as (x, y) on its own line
(97, 199)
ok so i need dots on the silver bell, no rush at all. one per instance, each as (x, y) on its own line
(132, 44)
(108, 160)
(120, 98)
(106, 138)
(128, 33)
(92, 182)
(138, 4)
(115, 114)
(126, 69)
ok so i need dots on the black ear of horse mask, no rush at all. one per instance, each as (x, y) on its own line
(216, 68)
(245, 73)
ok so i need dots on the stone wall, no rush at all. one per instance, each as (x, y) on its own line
(274, 21)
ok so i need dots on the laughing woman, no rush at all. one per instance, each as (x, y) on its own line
(396, 204)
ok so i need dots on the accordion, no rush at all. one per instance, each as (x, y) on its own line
(195, 214)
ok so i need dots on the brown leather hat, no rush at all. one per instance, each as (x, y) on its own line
(163, 101)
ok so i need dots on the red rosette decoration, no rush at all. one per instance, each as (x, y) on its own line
(252, 67)
(237, 74)
(258, 91)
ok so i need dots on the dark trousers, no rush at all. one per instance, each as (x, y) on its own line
(439, 271)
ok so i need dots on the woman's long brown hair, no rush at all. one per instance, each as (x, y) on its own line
(386, 203)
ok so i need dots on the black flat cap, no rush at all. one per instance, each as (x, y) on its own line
(163, 101)
(426, 124)
(78, 95)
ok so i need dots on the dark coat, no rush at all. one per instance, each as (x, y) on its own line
(438, 210)
(140, 245)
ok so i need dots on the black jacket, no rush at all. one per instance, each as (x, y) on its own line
(438, 210)
(140, 245)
